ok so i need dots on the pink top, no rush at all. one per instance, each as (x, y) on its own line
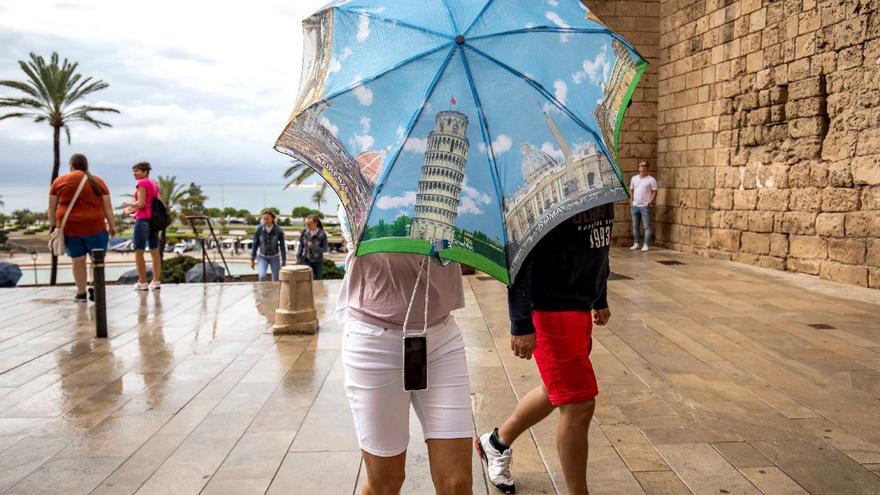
(152, 190)
(380, 286)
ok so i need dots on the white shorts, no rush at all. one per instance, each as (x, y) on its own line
(373, 360)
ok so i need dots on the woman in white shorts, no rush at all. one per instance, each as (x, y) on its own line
(378, 289)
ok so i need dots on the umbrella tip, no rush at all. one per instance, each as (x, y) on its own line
(459, 40)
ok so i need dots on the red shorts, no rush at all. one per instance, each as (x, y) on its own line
(563, 341)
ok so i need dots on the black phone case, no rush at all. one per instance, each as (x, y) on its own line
(415, 362)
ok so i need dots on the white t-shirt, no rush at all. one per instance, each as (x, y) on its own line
(642, 189)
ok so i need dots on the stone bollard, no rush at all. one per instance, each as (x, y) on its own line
(296, 312)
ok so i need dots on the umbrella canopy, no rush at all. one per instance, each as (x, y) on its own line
(479, 124)
(10, 274)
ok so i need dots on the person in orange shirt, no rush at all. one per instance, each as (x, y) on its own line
(90, 223)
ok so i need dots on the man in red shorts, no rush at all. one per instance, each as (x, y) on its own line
(557, 296)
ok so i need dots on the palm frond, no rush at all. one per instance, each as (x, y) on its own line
(23, 87)
(67, 133)
(21, 102)
(15, 114)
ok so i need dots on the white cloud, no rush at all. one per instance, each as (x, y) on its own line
(471, 198)
(593, 69)
(363, 28)
(363, 141)
(553, 3)
(333, 128)
(561, 91)
(336, 64)
(364, 95)
(553, 151)
(555, 19)
(500, 145)
(391, 202)
(415, 145)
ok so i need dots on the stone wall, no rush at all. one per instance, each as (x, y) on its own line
(639, 23)
(768, 133)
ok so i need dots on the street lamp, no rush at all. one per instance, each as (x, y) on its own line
(34, 259)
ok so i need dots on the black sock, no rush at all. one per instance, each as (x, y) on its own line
(496, 442)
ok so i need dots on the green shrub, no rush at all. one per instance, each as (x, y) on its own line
(174, 269)
(331, 272)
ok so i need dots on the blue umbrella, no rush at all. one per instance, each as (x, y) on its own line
(463, 128)
(10, 274)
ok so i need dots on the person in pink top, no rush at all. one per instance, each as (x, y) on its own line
(144, 237)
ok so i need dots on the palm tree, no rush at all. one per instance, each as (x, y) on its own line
(171, 193)
(318, 197)
(298, 173)
(52, 92)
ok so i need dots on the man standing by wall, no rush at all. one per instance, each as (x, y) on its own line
(643, 188)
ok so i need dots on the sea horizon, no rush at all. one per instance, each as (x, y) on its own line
(252, 197)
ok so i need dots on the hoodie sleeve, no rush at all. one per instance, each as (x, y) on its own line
(602, 300)
(519, 301)
(283, 247)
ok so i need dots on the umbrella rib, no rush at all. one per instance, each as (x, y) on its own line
(409, 128)
(487, 138)
(397, 22)
(560, 30)
(451, 18)
(546, 94)
(478, 17)
(386, 71)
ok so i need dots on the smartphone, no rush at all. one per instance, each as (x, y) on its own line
(415, 362)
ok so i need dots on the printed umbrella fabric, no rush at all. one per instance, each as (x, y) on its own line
(481, 123)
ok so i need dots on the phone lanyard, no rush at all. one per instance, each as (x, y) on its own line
(412, 298)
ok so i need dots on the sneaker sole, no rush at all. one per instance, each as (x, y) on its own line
(503, 488)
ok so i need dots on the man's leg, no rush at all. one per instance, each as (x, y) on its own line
(156, 255)
(141, 265)
(646, 219)
(385, 475)
(79, 274)
(572, 443)
(532, 408)
(636, 220)
(450, 461)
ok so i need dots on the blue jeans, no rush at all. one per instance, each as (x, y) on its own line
(317, 268)
(143, 236)
(265, 262)
(78, 247)
(641, 214)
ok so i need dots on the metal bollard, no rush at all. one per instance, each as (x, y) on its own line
(100, 294)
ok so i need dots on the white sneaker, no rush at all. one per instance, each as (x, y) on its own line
(497, 462)
(141, 286)
(155, 285)
(645, 248)
(634, 247)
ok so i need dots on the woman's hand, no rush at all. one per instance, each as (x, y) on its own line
(112, 231)
(523, 345)
(253, 264)
(601, 316)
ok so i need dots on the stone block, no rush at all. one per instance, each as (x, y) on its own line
(296, 313)
(804, 88)
(803, 266)
(839, 174)
(779, 245)
(840, 199)
(808, 247)
(871, 198)
(830, 224)
(873, 253)
(727, 240)
(751, 242)
(796, 222)
(745, 258)
(874, 278)
(849, 251)
(862, 224)
(818, 174)
(773, 199)
(771, 262)
(805, 199)
(723, 199)
(848, 274)
(745, 199)
(839, 146)
(761, 221)
(806, 127)
(866, 170)
(799, 175)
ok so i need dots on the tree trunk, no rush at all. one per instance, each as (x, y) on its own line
(53, 275)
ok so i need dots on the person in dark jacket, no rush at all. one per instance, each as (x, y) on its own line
(313, 245)
(269, 249)
(557, 296)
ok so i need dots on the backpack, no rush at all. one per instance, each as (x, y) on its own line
(159, 215)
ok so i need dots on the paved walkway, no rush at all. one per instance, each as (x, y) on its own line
(715, 378)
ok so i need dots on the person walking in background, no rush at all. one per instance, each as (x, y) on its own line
(313, 245)
(269, 249)
(144, 237)
(79, 204)
(558, 295)
(643, 188)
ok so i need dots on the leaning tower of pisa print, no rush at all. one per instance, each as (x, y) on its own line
(437, 199)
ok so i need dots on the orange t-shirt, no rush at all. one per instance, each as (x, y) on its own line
(87, 216)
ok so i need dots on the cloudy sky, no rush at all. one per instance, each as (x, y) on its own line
(204, 87)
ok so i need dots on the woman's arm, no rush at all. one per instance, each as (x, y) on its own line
(53, 205)
(324, 247)
(256, 244)
(283, 247)
(108, 214)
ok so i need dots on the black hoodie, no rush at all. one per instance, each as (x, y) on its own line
(566, 271)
